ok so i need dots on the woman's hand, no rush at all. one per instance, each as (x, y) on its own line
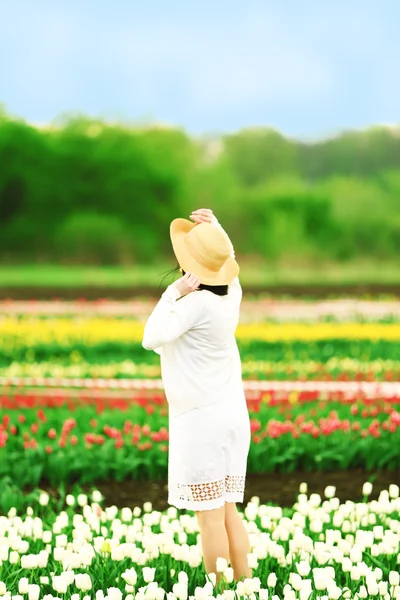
(202, 215)
(186, 284)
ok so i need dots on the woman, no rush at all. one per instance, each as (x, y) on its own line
(193, 329)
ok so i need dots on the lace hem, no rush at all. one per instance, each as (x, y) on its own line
(207, 496)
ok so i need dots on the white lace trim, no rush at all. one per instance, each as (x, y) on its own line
(199, 493)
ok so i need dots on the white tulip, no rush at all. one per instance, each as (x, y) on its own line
(212, 581)
(14, 557)
(222, 565)
(303, 488)
(70, 500)
(183, 578)
(200, 594)
(114, 593)
(346, 564)
(315, 500)
(60, 584)
(383, 588)
(99, 595)
(330, 491)
(367, 488)
(180, 591)
(373, 588)
(303, 568)
(271, 581)
(230, 595)
(362, 593)
(160, 593)
(375, 550)
(3, 588)
(263, 594)
(147, 507)
(83, 582)
(46, 537)
(44, 499)
(33, 591)
(229, 575)
(61, 540)
(252, 561)
(23, 585)
(126, 514)
(82, 499)
(130, 576)
(44, 580)
(394, 578)
(295, 581)
(356, 554)
(148, 574)
(97, 496)
(305, 593)
(240, 589)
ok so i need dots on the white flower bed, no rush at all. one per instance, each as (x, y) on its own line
(319, 549)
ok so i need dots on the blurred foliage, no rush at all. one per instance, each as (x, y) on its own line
(83, 191)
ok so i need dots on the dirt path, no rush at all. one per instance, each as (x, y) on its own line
(278, 488)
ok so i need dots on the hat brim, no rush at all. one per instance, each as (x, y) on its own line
(230, 269)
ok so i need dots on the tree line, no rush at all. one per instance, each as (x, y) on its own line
(91, 192)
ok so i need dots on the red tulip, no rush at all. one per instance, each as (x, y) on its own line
(52, 434)
(255, 425)
(49, 449)
(41, 416)
(73, 440)
(34, 427)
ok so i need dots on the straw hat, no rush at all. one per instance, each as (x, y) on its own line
(204, 250)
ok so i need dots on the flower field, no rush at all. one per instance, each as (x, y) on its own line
(87, 440)
(82, 404)
(110, 347)
(320, 548)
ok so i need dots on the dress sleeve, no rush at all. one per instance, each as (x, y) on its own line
(170, 319)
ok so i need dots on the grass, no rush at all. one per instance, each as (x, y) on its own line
(252, 274)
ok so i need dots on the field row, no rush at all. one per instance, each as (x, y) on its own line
(146, 366)
(253, 310)
(317, 549)
(94, 439)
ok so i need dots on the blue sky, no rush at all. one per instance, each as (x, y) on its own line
(309, 68)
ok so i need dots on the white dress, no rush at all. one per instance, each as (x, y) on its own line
(209, 425)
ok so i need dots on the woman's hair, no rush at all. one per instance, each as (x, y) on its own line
(219, 290)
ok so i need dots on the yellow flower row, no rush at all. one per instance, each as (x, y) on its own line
(30, 331)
